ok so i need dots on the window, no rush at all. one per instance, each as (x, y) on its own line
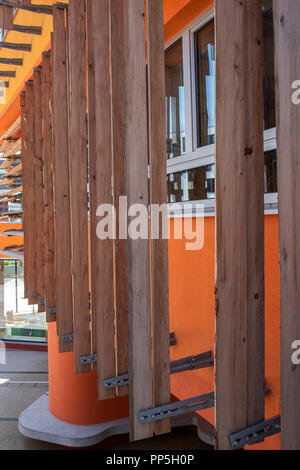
(192, 185)
(175, 101)
(205, 84)
(190, 111)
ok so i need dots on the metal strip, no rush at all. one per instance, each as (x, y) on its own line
(178, 408)
(68, 338)
(256, 433)
(91, 359)
(182, 365)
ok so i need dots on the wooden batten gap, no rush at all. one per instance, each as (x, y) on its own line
(15, 46)
(5, 61)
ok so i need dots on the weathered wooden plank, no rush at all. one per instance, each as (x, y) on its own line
(119, 181)
(91, 45)
(158, 196)
(30, 195)
(239, 218)
(287, 42)
(138, 264)
(49, 279)
(38, 169)
(63, 279)
(100, 168)
(78, 171)
(24, 128)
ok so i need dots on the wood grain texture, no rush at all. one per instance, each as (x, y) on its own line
(158, 195)
(78, 171)
(30, 194)
(38, 169)
(287, 42)
(25, 186)
(49, 277)
(239, 218)
(119, 181)
(138, 263)
(100, 168)
(63, 279)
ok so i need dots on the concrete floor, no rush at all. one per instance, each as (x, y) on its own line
(31, 366)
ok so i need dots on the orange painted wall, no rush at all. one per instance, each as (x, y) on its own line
(9, 241)
(192, 316)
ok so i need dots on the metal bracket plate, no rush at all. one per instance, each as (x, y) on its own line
(68, 338)
(90, 359)
(178, 408)
(182, 365)
(41, 302)
(52, 310)
(256, 433)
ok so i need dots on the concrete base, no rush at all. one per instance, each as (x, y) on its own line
(36, 422)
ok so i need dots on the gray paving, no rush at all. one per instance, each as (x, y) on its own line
(20, 386)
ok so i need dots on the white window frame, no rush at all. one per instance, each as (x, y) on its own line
(197, 157)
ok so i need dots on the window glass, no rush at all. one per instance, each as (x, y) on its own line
(175, 112)
(205, 84)
(268, 65)
(271, 172)
(192, 185)
(199, 183)
(205, 77)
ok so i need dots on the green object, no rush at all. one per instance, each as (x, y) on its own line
(27, 332)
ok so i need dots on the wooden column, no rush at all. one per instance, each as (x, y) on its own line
(100, 178)
(287, 43)
(78, 170)
(49, 279)
(138, 265)
(158, 195)
(38, 169)
(63, 279)
(25, 186)
(119, 181)
(239, 218)
(29, 174)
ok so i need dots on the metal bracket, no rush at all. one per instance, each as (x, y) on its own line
(90, 359)
(52, 310)
(182, 365)
(41, 302)
(68, 338)
(178, 408)
(256, 433)
(34, 295)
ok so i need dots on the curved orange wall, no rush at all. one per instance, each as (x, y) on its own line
(73, 398)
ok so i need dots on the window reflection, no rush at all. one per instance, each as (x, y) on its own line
(199, 183)
(192, 185)
(205, 80)
(175, 117)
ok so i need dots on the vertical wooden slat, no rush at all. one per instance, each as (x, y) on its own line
(8, 17)
(138, 265)
(63, 279)
(25, 186)
(100, 168)
(158, 195)
(29, 175)
(119, 183)
(239, 218)
(38, 169)
(49, 279)
(78, 170)
(287, 43)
